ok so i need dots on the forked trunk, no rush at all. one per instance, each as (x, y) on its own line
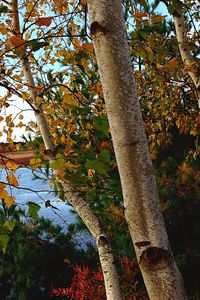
(79, 204)
(146, 226)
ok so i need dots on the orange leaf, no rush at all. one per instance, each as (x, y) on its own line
(140, 14)
(17, 40)
(8, 199)
(12, 180)
(2, 186)
(13, 166)
(44, 21)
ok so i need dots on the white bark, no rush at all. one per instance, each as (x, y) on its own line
(80, 205)
(141, 201)
(183, 43)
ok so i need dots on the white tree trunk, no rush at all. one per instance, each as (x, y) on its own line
(146, 226)
(80, 205)
(183, 43)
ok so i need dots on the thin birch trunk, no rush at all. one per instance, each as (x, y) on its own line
(146, 226)
(189, 62)
(80, 205)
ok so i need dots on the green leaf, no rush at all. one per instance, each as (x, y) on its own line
(3, 9)
(10, 225)
(4, 239)
(48, 204)
(97, 165)
(38, 45)
(33, 209)
(88, 154)
(171, 7)
(91, 195)
(105, 156)
(101, 124)
(58, 163)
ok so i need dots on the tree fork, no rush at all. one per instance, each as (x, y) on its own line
(80, 205)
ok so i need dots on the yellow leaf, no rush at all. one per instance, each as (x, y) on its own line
(1, 118)
(3, 29)
(62, 138)
(44, 21)
(157, 19)
(35, 163)
(25, 95)
(29, 7)
(91, 173)
(69, 165)
(38, 100)
(12, 180)
(27, 36)
(69, 99)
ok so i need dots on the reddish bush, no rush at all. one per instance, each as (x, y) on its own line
(86, 285)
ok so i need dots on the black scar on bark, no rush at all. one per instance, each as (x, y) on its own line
(176, 14)
(97, 28)
(153, 255)
(102, 241)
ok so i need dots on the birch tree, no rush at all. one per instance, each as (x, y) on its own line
(141, 200)
(191, 64)
(79, 204)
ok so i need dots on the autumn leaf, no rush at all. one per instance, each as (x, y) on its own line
(3, 194)
(69, 100)
(140, 14)
(157, 19)
(12, 180)
(2, 186)
(8, 199)
(35, 163)
(70, 166)
(17, 40)
(44, 21)
(11, 165)
(172, 64)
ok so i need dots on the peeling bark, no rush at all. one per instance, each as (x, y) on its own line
(141, 201)
(183, 42)
(80, 205)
